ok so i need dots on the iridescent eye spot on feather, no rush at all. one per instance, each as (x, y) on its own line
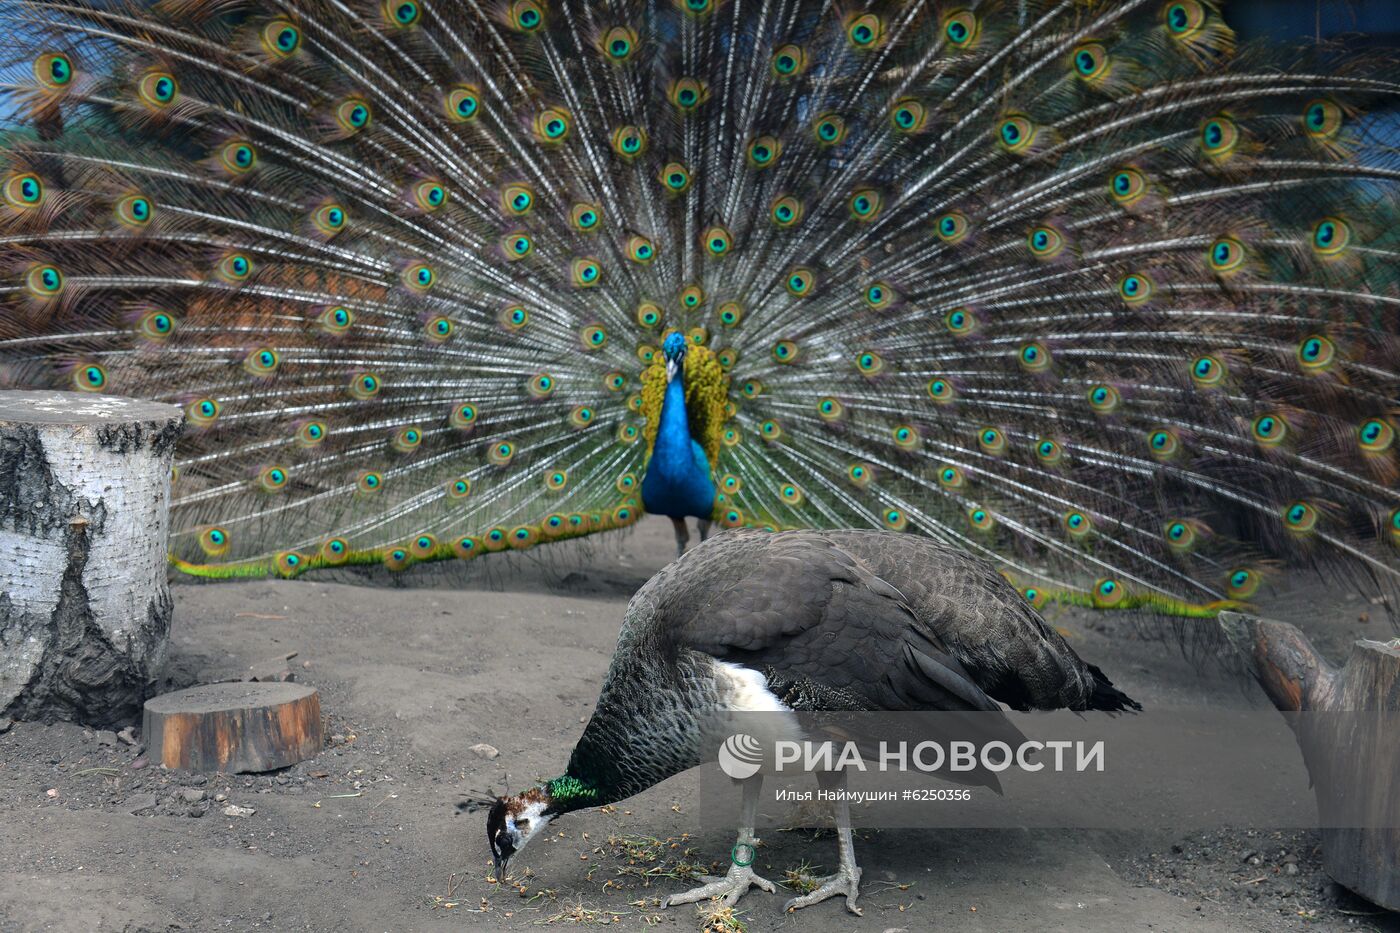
(1242, 583)
(496, 539)
(202, 412)
(1016, 133)
(727, 358)
(992, 441)
(581, 416)
(1316, 353)
(156, 326)
(895, 519)
(785, 211)
(439, 329)
(158, 89)
(1183, 20)
(1035, 596)
(262, 362)
(627, 483)
(541, 385)
(789, 61)
(402, 13)
(1091, 62)
(753, 388)
(790, 494)
(423, 546)
(941, 390)
(407, 440)
(628, 434)
(420, 277)
(280, 38)
(962, 29)
(501, 453)
(908, 115)
(629, 141)
(1034, 358)
(24, 191)
(730, 314)
(134, 211)
(980, 519)
(552, 125)
(311, 433)
(397, 559)
(618, 44)
(1269, 430)
(237, 157)
(1108, 593)
(1219, 137)
(614, 382)
(1322, 119)
(585, 217)
(1330, 237)
(960, 322)
(799, 282)
(585, 271)
(865, 32)
(763, 152)
(517, 245)
(1180, 535)
(1045, 242)
(329, 219)
(555, 480)
(1394, 525)
(525, 15)
(1207, 372)
(830, 409)
(214, 541)
(950, 477)
(1226, 255)
(1049, 452)
(1104, 399)
(1076, 524)
(462, 103)
(353, 114)
(1300, 518)
(829, 128)
(879, 295)
(951, 227)
(784, 351)
(369, 481)
(860, 474)
(53, 70)
(717, 242)
(906, 436)
(648, 315)
(770, 430)
(235, 267)
(273, 479)
(640, 249)
(1375, 436)
(592, 337)
(1163, 444)
(89, 377)
(732, 437)
(516, 200)
(1135, 288)
(692, 297)
(732, 518)
(463, 416)
(335, 320)
(675, 176)
(1127, 186)
(865, 205)
(43, 281)
(869, 363)
(686, 94)
(697, 7)
(364, 386)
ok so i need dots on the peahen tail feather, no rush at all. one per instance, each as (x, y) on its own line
(1078, 286)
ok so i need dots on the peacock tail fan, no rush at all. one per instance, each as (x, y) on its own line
(1078, 286)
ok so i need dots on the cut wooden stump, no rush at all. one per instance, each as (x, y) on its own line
(84, 531)
(234, 727)
(1350, 743)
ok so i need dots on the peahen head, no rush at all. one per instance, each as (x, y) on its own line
(673, 348)
(514, 821)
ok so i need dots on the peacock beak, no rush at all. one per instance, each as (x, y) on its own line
(672, 367)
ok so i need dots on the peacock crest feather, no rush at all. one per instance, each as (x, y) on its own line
(1082, 287)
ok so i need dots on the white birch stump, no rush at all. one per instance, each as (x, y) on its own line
(84, 533)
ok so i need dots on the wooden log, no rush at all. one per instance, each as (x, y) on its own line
(84, 530)
(1350, 743)
(234, 727)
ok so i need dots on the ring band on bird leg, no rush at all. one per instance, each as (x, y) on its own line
(734, 854)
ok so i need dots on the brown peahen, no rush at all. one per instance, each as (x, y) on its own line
(1078, 287)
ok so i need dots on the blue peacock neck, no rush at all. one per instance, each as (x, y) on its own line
(671, 455)
(677, 481)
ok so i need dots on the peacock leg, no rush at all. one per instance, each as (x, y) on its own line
(682, 536)
(704, 525)
(736, 883)
(847, 878)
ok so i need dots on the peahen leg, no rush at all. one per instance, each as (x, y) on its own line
(682, 535)
(704, 525)
(735, 884)
(847, 878)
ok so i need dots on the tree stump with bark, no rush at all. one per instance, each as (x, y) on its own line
(84, 533)
(234, 727)
(1350, 740)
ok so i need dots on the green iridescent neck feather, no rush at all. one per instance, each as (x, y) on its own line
(569, 793)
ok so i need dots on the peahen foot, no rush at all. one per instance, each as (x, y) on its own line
(731, 887)
(846, 881)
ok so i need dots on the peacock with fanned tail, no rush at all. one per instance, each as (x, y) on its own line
(1076, 286)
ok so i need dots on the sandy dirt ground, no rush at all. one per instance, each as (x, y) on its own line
(416, 669)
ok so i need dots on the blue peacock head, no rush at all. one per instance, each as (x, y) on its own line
(674, 350)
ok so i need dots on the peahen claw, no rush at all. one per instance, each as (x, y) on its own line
(731, 887)
(845, 882)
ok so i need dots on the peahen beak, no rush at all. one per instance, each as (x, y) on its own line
(501, 863)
